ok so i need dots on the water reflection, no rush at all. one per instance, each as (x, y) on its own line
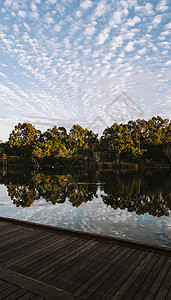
(139, 192)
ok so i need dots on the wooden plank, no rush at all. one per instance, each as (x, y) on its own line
(15, 239)
(143, 289)
(10, 234)
(168, 297)
(132, 277)
(120, 275)
(3, 224)
(81, 267)
(86, 270)
(28, 253)
(111, 275)
(155, 287)
(84, 251)
(14, 293)
(1, 282)
(4, 286)
(34, 286)
(61, 261)
(134, 288)
(20, 244)
(102, 275)
(32, 253)
(36, 298)
(5, 228)
(59, 249)
(27, 296)
(32, 244)
(163, 291)
(41, 266)
(11, 288)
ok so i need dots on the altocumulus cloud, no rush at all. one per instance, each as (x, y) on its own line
(65, 61)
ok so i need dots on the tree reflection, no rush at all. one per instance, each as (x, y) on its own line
(51, 188)
(81, 193)
(139, 192)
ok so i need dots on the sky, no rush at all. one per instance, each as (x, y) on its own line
(87, 62)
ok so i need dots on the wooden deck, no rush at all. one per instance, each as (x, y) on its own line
(43, 262)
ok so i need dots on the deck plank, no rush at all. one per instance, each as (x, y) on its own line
(162, 293)
(75, 265)
(67, 261)
(27, 256)
(110, 274)
(70, 260)
(97, 279)
(135, 272)
(42, 265)
(134, 288)
(155, 287)
(40, 253)
(144, 288)
(168, 297)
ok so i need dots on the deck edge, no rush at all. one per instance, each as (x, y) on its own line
(93, 236)
(32, 285)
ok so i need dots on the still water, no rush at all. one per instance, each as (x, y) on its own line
(131, 205)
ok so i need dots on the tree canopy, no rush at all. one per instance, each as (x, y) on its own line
(137, 141)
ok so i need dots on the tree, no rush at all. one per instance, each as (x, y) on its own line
(116, 140)
(51, 143)
(82, 142)
(22, 138)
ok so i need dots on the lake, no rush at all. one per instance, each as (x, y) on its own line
(133, 205)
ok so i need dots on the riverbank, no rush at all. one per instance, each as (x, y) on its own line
(69, 165)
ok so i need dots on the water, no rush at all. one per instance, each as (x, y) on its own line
(130, 205)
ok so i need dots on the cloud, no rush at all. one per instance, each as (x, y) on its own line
(27, 27)
(3, 75)
(129, 47)
(16, 29)
(164, 44)
(100, 9)
(34, 15)
(116, 42)
(103, 36)
(156, 20)
(22, 13)
(51, 1)
(132, 3)
(146, 10)
(86, 4)
(57, 27)
(8, 3)
(33, 7)
(142, 51)
(132, 22)
(116, 18)
(90, 30)
(162, 6)
(168, 63)
(79, 54)
(168, 26)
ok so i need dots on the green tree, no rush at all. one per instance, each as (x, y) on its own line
(22, 138)
(83, 143)
(116, 140)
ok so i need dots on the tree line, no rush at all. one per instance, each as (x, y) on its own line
(137, 141)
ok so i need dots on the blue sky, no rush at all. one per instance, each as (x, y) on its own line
(90, 62)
